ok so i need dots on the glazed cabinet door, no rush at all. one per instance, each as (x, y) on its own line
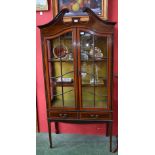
(62, 71)
(94, 70)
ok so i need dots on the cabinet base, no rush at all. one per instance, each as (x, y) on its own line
(109, 124)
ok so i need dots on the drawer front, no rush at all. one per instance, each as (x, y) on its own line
(64, 115)
(95, 116)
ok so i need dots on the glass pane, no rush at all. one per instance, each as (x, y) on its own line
(88, 69)
(100, 97)
(67, 69)
(68, 97)
(60, 55)
(93, 70)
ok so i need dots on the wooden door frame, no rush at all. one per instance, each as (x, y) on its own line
(109, 68)
(45, 61)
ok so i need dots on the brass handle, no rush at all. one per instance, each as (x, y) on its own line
(65, 115)
(96, 116)
(92, 116)
(60, 115)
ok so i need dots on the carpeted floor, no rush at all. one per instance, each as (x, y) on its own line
(73, 144)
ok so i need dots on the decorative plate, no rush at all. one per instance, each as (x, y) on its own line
(60, 52)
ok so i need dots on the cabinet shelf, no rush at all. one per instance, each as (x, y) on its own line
(89, 60)
(83, 85)
(55, 77)
(58, 60)
(95, 60)
(65, 84)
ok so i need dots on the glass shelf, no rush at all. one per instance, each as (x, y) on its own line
(58, 60)
(62, 75)
(89, 60)
(95, 60)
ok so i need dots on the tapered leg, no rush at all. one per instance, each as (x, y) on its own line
(116, 148)
(110, 132)
(49, 133)
(107, 129)
(56, 127)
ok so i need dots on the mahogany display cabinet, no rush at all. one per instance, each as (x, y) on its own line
(78, 70)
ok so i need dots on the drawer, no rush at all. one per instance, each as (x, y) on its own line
(63, 115)
(96, 115)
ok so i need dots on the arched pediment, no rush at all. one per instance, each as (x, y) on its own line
(94, 23)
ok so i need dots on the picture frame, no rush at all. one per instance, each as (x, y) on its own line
(100, 7)
(41, 5)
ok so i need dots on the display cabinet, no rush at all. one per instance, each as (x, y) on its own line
(78, 70)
